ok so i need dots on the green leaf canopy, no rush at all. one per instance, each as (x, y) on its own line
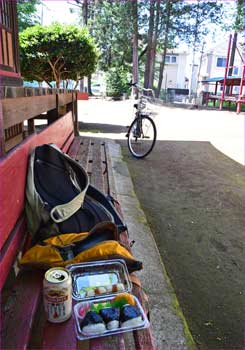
(56, 53)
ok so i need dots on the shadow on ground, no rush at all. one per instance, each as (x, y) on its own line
(193, 200)
(105, 128)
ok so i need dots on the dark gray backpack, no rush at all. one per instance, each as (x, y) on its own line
(59, 198)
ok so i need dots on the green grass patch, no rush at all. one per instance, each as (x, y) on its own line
(231, 107)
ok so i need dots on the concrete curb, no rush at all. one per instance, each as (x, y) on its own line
(170, 330)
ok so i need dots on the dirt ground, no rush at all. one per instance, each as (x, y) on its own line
(192, 193)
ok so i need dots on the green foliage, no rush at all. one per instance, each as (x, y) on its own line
(56, 53)
(26, 10)
(116, 82)
(112, 27)
(240, 12)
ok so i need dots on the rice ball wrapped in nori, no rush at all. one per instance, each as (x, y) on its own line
(92, 323)
(130, 316)
(111, 316)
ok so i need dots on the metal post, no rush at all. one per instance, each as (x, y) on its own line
(238, 108)
(226, 70)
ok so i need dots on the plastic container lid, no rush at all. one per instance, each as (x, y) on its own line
(81, 308)
(99, 279)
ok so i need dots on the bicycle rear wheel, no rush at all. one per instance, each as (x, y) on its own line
(142, 136)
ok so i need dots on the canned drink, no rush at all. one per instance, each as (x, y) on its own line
(57, 294)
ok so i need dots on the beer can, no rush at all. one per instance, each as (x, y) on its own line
(57, 294)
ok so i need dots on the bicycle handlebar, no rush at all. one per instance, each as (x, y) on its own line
(140, 88)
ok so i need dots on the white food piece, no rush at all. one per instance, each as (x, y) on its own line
(109, 288)
(90, 293)
(102, 290)
(120, 287)
(134, 322)
(94, 329)
(112, 325)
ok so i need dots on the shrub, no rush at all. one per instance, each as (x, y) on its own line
(116, 82)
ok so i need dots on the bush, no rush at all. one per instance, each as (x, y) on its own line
(116, 83)
(57, 52)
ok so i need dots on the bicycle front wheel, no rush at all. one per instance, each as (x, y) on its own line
(142, 136)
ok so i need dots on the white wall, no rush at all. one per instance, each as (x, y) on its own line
(175, 72)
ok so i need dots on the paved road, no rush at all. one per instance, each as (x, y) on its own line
(223, 129)
(192, 195)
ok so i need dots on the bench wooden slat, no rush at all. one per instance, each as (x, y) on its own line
(106, 343)
(13, 169)
(74, 147)
(60, 336)
(19, 311)
(67, 143)
(97, 167)
(83, 154)
(8, 256)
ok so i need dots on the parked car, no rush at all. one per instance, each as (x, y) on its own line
(96, 89)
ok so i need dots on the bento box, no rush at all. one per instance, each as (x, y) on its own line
(107, 321)
(99, 279)
(105, 305)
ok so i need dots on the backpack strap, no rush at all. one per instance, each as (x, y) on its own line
(63, 212)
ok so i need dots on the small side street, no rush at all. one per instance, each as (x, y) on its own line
(193, 203)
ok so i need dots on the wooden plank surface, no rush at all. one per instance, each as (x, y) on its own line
(19, 311)
(13, 169)
(62, 336)
(64, 99)
(8, 254)
(16, 110)
(91, 154)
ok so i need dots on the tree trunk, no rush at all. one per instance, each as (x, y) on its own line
(197, 21)
(165, 46)
(135, 43)
(233, 51)
(149, 46)
(89, 86)
(85, 12)
(153, 49)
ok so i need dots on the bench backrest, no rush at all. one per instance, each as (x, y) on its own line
(13, 170)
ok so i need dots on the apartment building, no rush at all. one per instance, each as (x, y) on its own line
(214, 63)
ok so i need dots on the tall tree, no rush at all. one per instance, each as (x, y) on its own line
(112, 31)
(154, 45)
(135, 70)
(27, 13)
(240, 13)
(188, 22)
(149, 44)
(165, 47)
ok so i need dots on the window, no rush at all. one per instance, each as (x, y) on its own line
(235, 71)
(170, 59)
(221, 62)
(6, 14)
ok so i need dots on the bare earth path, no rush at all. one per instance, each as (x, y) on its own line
(192, 195)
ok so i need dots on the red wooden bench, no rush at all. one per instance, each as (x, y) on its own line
(23, 323)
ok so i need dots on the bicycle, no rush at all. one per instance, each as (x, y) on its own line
(142, 132)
